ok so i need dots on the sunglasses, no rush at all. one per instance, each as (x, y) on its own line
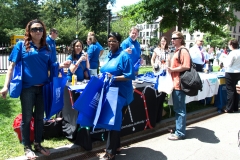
(175, 38)
(112, 41)
(35, 29)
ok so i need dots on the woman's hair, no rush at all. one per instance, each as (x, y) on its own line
(180, 35)
(115, 35)
(28, 37)
(72, 48)
(165, 38)
(234, 43)
(92, 39)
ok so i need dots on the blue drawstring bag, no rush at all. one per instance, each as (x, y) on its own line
(15, 86)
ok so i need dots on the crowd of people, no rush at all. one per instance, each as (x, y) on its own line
(38, 52)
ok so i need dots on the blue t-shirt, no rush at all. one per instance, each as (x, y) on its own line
(135, 46)
(35, 63)
(119, 64)
(80, 70)
(93, 55)
(99, 46)
(51, 42)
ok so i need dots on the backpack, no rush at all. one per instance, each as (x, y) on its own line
(17, 128)
(190, 81)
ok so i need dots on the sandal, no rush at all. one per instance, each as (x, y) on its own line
(171, 130)
(108, 156)
(29, 153)
(39, 148)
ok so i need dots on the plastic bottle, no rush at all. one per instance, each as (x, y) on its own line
(74, 79)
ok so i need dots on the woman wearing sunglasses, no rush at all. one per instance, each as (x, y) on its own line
(120, 65)
(36, 61)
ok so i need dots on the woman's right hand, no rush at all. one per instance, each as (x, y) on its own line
(4, 92)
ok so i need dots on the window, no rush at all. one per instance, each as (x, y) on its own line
(230, 28)
(233, 36)
(184, 37)
(234, 29)
(147, 33)
(140, 34)
(198, 35)
(238, 39)
(239, 29)
(191, 37)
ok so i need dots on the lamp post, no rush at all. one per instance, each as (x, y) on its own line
(177, 19)
(159, 21)
(109, 8)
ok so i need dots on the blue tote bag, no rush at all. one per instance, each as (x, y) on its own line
(15, 86)
(53, 95)
(117, 117)
(87, 102)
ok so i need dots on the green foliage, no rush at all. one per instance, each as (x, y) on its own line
(154, 41)
(67, 30)
(123, 26)
(94, 14)
(203, 15)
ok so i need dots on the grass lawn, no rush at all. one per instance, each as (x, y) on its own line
(10, 108)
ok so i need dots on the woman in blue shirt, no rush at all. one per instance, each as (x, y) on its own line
(79, 61)
(36, 61)
(119, 64)
(93, 54)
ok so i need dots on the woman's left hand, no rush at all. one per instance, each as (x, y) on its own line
(65, 64)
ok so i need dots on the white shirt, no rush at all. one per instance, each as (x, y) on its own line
(196, 55)
(232, 62)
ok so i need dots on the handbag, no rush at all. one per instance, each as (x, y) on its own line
(15, 85)
(83, 138)
(190, 81)
(87, 102)
(165, 83)
(53, 93)
(52, 128)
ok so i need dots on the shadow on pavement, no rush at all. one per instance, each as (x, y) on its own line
(140, 153)
(202, 134)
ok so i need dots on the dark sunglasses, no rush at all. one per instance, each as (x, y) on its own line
(112, 41)
(35, 29)
(175, 38)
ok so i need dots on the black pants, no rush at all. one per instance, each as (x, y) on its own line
(160, 107)
(232, 96)
(199, 67)
(113, 141)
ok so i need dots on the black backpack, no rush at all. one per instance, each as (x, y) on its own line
(190, 81)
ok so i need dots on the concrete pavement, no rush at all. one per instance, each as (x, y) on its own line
(209, 136)
(211, 139)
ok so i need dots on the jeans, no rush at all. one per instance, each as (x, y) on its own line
(179, 108)
(32, 98)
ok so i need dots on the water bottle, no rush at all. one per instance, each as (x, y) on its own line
(74, 79)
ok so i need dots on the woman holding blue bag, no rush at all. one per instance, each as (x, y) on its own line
(120, 66)
(80, 62)
(35, 55)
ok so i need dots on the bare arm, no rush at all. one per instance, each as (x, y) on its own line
(4, 90)
(153, 59)
(101, 52)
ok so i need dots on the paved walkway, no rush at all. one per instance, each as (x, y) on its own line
(211, 139)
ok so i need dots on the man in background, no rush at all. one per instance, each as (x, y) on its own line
(51, 42)
(197, 54)
(132, 46)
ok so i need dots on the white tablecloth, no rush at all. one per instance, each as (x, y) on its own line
(210, 88)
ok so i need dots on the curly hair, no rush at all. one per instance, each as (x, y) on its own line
(72, 48)
(28, 37)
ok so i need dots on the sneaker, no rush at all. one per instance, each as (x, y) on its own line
(29, 153)
(174, 137)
